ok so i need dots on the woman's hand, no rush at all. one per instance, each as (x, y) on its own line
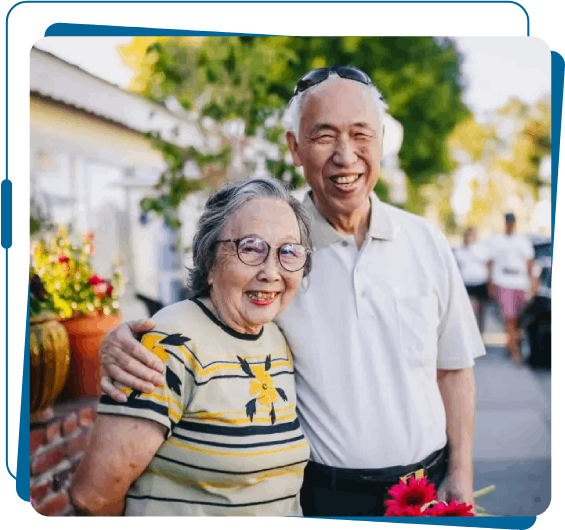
(123, 360)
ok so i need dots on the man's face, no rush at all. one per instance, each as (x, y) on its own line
(339, 146)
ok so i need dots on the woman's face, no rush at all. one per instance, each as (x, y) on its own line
(246, 297)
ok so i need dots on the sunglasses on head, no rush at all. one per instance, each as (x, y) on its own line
(315, 77)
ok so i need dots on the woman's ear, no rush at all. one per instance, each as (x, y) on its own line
(210, 278)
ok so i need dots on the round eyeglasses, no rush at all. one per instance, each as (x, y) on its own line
(253, 251)
(315, 77)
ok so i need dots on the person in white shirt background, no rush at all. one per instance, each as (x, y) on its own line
(511, 279)
(472, 259)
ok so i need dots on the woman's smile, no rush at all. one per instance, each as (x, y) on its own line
(261, 298)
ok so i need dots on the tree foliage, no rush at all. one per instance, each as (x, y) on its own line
(511, 145)
(472, 138)
(531, 141)
(249, 78)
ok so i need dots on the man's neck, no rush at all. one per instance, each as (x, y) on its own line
(356, 224)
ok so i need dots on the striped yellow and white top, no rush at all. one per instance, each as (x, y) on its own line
(234, 445)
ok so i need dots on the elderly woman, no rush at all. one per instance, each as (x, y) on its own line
(221, 436)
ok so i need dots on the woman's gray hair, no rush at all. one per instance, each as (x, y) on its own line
(293, 112)
(218, 211)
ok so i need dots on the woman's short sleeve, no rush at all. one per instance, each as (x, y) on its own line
(166, 404)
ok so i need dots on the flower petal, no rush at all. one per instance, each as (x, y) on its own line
(254, 387)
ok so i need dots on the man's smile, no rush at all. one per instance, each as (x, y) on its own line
(346, 183)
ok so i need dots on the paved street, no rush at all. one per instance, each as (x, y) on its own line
(512, 434)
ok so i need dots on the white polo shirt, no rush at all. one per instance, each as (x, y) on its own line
(368, 335)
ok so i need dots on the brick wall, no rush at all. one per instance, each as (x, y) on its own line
(56, 448)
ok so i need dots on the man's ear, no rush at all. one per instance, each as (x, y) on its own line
(293, 148)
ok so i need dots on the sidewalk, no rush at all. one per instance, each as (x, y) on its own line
(512, 432)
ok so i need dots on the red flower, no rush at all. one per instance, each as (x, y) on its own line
(406, 511)
(415, 493)
(109, 290)
(95, 280)
(63, 259)
(89, 235)
(99, 290)
(453, 509)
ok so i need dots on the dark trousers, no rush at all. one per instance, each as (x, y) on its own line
(333, 492)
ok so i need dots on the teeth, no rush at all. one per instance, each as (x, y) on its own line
(260, 295)
(345, 180)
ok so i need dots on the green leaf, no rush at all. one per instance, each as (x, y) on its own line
(146, 204)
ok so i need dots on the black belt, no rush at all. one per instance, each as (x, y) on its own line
(351, 479)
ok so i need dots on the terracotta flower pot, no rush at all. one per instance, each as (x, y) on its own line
(49, 352)
(85, 334)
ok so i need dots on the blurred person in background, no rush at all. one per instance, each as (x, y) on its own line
(511, 279)
(472, 259)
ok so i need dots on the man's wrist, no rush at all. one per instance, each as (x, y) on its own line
(460, 469)
(460, 461)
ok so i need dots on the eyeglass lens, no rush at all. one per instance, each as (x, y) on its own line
(254, 251)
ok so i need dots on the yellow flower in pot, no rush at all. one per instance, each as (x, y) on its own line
(86, 304)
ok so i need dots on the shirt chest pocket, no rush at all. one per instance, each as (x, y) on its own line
(418, 322)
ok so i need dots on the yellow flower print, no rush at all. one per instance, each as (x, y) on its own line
(152, 341)
(263, 385)
(156, 342)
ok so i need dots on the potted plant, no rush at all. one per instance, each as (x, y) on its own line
(49, 353)
(85, 304)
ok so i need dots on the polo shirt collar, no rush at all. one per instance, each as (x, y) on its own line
(324, 234)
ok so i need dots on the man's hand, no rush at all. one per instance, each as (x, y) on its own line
(457, 486)
(125, 361)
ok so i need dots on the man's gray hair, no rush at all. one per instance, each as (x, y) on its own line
(293, 112)
(218, 211)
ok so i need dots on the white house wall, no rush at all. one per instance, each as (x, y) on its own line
(57, 128)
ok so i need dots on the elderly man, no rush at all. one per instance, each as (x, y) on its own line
(383, 336)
